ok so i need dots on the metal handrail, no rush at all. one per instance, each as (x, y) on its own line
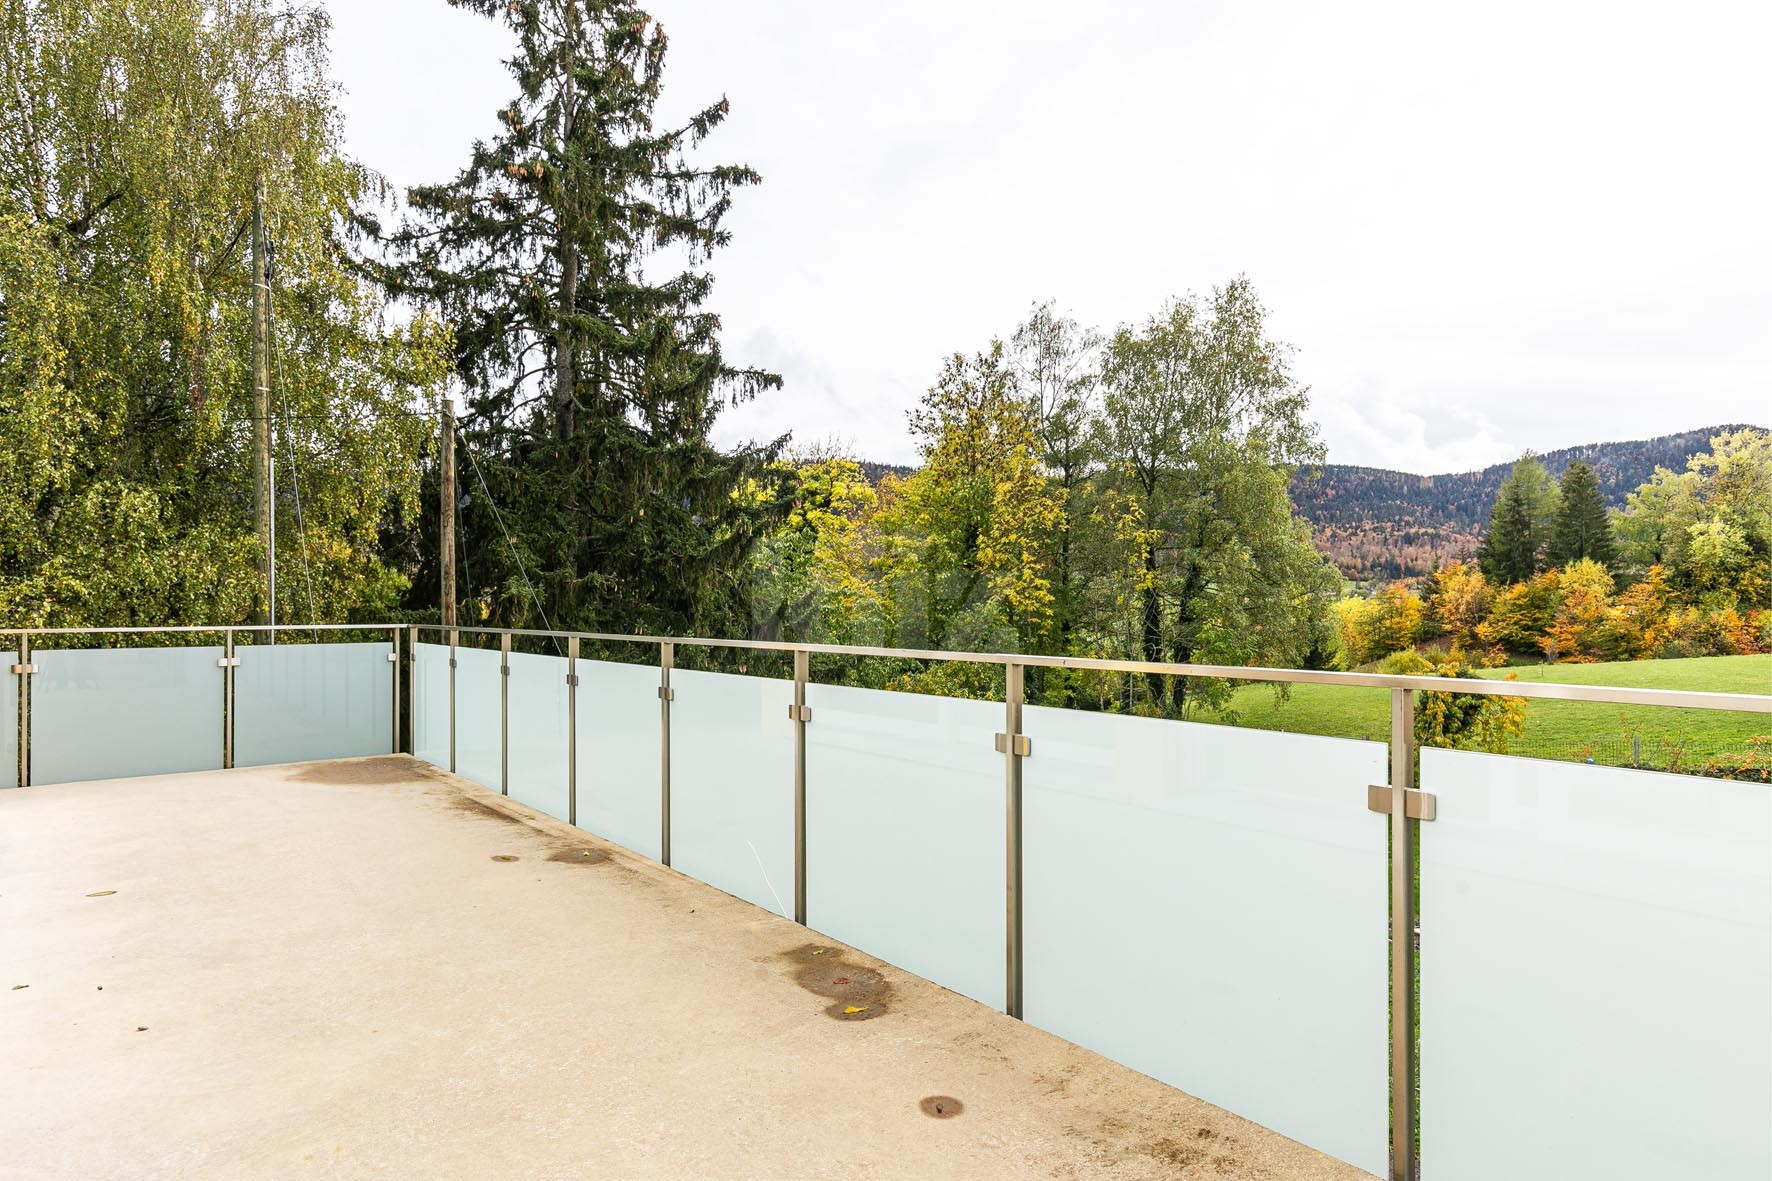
(1617, 695)
(1605, 694)
(187, 629)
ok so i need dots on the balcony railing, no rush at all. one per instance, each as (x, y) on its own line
(1276, 923)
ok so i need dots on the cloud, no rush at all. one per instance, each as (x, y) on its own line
(1478, 241)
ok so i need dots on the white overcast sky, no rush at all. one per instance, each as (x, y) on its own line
(1484, 227)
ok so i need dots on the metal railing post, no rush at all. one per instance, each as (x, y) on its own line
(572, 731)
(23, 670)
(394, 704)
(667, 656)
(504, 714)
(1403, 953)
(1015, 748)
(228, 698)
(453, 640)
(801, 715)
(412, 692)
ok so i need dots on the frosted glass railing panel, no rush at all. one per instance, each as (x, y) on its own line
(430, 703)
(1207, 905)
(8, 721)
(904, 832)
(620, 754)
(477, 725)
(106, 713)
(1596, 972)
(312, 701)
(538, 733)
(732, 785)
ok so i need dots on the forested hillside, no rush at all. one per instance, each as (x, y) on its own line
(1378, 524)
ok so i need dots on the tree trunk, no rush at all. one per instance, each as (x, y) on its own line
(1153, 622)
(565, 338)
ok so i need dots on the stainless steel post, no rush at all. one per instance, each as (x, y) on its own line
(667, 656)
(394, 703)
(228, 698)
(1403, 953)
(1015, 747)
(572, 731)
(801, 715)
(412, 692)
(504, 714)
(24, 669)
(454, 639)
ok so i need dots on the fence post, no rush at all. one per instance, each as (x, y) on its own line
(801, 715)
(454, 637)
(572, 731)
(504, 714)
(1014, 748)
(1403, 956)
(412, 691)
(394, 703)
(228, 698)
(667, 656)
(23, 670)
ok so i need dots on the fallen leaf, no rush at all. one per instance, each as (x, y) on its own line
(101, 893)
(841, 980)
(16, 987)
(849, 1009)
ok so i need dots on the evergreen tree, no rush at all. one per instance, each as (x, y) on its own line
(1517, 543)
(1583, 528)
(592, 382)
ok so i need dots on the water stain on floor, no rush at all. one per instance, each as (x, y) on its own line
(578, 855)
(856, 991)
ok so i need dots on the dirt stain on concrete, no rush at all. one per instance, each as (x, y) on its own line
(940, 1106)
(1203, 1152)
(578, 855)
(856, 991)
(480, 808)
(365, 772)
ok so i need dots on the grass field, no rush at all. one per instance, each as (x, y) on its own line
(1578, 730)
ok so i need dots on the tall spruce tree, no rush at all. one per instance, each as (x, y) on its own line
(1583, 529)
(1522, 524)
(591, 381)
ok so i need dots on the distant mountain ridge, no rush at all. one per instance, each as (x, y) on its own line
(1380, 524)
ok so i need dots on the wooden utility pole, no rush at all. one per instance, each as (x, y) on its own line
(446, 535)
(264, 516)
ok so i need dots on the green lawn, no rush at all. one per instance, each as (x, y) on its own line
(1674, 738)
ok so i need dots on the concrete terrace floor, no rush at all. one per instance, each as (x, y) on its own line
(336, 970)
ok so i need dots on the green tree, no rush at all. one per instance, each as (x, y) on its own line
(1710, 526)
(1583, 529)
(129, 144)
(1521, 526)
(1056, 363)
(1202, 426)
(593, 369)
(814, 577)
(973, 528)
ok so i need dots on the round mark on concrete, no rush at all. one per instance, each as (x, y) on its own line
(941, 1106)
(504, 857)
